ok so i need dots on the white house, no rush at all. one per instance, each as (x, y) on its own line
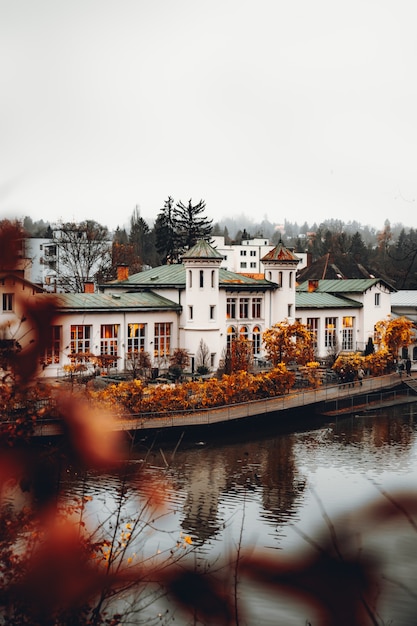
(198, 301)
(342, 313)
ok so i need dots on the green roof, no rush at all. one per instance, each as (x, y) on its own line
(202, 250)
(107, 302)
(317, 300)
(174, 276)
(282, 254)
(348, 285)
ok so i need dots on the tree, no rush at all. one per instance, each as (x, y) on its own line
(358, 249)
(139, 363)
(191, 224)
(395, 334)
(166, 237)
(286, 343)
(239, 356)
(178, 227)
(179, 360)
(142, 240)
(203, 358)
(83, 252)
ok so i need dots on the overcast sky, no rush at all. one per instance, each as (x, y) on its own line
(302, 110)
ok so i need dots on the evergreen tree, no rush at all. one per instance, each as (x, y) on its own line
(191, 224)
(140, 238)
(358, 249)
(166, 238)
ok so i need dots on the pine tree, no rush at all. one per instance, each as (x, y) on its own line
(191, 224)
(166, 238)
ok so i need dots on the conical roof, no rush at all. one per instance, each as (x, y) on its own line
(202, 250)
(281, 254)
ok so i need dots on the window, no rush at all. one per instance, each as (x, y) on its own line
(53, 351)
(80, 339)
(347, 333)
(253, 252)
(109, 341)
(244, 308)
(212, 311)
(243, 253)
(190, 312)
(136, 337)
(377, 299)
(231, 335)
(253, 264)
(290, 280)
(256, 340)
(201, 279)
(243, 265)
(190, 278)
(330, 338)
(289, 310)
(8, 299)
(280, 279)
(213, 282)
(162, 345)
(313, 327)
(231, 308)
(256, 308)
(243, 332)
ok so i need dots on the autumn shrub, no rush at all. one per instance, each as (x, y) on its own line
(349, 362)
(311, 371)
(380, 362)
(276, 382)
(242, 386)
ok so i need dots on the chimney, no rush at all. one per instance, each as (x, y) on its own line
(312, 285)
(122, 272)
(89, 287)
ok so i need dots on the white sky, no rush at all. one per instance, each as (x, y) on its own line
(286, 109)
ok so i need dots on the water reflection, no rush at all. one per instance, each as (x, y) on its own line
(280, 490)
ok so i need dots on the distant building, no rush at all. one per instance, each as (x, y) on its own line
(245, 258)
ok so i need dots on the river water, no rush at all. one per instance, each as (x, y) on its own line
(276, 493)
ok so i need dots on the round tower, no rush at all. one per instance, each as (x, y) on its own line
(202, 318)
(280, 266)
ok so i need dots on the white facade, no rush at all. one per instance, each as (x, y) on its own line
(246, 258)
(180, 306)
(342, 314)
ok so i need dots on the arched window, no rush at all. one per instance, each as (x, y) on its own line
(290, 280)
(201, 278)
(243, 332)
(190, 278)
(231, 334)
(212, 279)
(256, 340)
(280, 279)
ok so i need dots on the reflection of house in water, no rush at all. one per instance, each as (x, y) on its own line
(270, 470)
(282, 487)
(206, 482)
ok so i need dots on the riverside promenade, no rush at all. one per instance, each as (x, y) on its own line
(327, 400)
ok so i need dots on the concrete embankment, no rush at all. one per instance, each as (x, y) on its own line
(326, 400)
